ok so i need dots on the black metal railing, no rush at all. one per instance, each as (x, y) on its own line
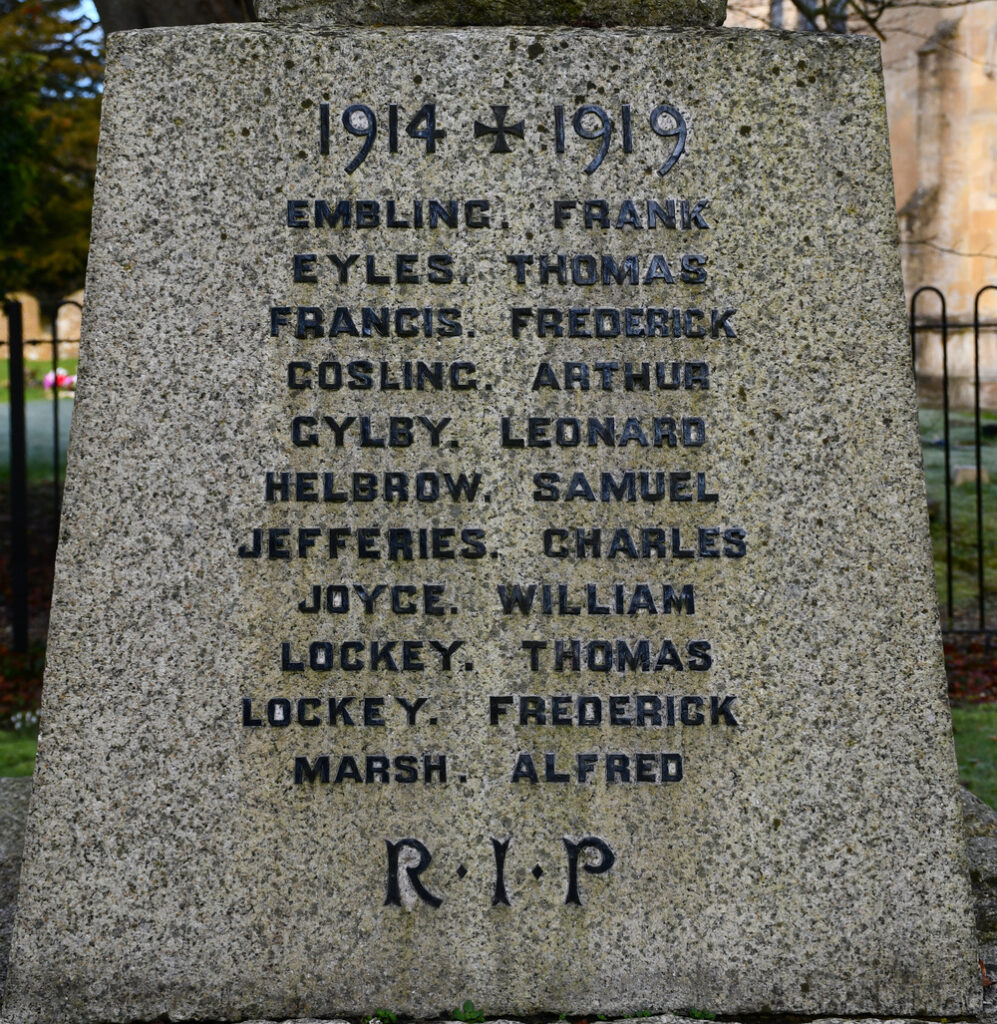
(18, 479)
(973, 615)
(22, 512)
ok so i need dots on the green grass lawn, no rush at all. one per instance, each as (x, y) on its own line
(17, 752)
(39, 419)
(35, 370)
(976, 749)
(40, 431)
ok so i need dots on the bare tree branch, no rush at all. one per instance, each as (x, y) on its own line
(832, 15)
(949, 251)
(942, 4)
(941, 45)
(867, 19)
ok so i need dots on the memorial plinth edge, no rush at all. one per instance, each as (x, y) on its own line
(446, 13)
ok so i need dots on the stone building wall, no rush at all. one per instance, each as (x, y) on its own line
(38, 326)
(941, 80)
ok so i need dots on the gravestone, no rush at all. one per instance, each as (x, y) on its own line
(494, 560)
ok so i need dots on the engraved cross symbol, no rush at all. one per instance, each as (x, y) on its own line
(500, 130)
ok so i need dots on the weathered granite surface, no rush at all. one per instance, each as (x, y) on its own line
(352, 13)
(14, 796)
(810, 858)
(981, 847)
(979, 828)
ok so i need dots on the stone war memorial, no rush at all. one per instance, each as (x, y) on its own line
(494, 561)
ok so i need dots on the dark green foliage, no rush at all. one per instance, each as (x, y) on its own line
(50, 80)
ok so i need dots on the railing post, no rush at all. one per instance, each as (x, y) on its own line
(55, 417)
(980, 576)
(18, 479)
(946, 431)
